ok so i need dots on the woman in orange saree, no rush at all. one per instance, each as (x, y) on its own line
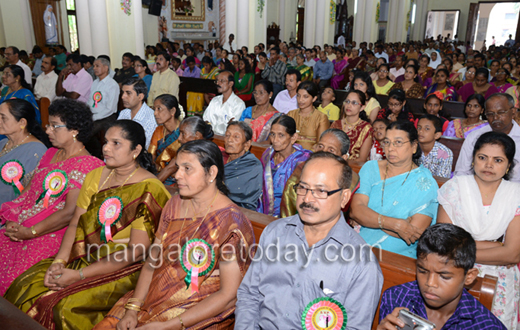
(200, 254)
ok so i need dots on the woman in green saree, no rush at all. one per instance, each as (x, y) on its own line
(305, 71)
(244, 80)
(116, 216)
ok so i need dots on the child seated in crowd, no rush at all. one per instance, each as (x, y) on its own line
(435, 156)
(327, 107)
(379, 126)
(433, 106)
(445, 257)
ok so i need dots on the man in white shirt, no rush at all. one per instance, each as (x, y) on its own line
(341, 41)
(398, 70)
(431, 48)
(165, 80)
(286, 100)
(225, 107)
(104, 94)
(230, 46)
(134, 93)
(46, 82)
(12, 54)
(379, 53)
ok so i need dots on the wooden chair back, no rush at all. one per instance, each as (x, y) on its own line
(44, 104)
(455, 144)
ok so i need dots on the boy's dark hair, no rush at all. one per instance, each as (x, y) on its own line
(451, 242)
(382, 120)
(436, 121)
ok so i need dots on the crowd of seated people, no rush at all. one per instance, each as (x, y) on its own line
(109, 180)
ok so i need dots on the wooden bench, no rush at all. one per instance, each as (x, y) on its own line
(454, 144)
(13, 318)
(396, 269)
(43, 105)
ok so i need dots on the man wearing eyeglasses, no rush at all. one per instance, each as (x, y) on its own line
(500, 112)
(284, 292)
(225, 107)
(12, 55)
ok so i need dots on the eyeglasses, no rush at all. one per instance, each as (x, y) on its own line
(352, 102)
(496, 114)
(397, 144)
(316, 193)
(221, 81)
(53, 127)
(394, 105)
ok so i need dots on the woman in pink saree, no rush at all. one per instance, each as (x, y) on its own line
(340, 68)
(35, 222)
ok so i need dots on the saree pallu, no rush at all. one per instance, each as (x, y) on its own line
(262, 126)
(17, 257)
(468, 90)
(163, 149)
(22, 94)
(357, 136)
(310, 127)
(305, 71)
(168, 296)
(243, 177)
(423, 77)
(404, 195)
(455, 128)
(275, 177)
(338, 77)
(503, 88)
(449, 92)
(84, 303)
(195, 101)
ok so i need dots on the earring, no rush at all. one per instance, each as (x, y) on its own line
(507, 171)
(211, 181)
(22, 127)
(472, 164)
(135, 156)
(74, 138)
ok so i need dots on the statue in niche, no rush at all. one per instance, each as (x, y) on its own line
(51, 30)
(345, 23)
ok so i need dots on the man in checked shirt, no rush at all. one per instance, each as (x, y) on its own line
(275, 71)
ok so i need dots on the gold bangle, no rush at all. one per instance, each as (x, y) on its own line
(34, 232)
(383, 225)
(81, 274)
(379, 221)
(137, 300)
(182, 324)
(60, 261)
(133, 307)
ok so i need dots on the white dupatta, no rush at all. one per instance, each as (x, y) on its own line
(461, 199)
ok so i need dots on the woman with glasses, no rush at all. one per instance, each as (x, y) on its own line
(355, 124)
(279, 162)
(24, 145)
(261, 116)
(142, 71)
(382, 84)
(501, 80)
(35, 222)
(479, 86)
(397, 199)
(363, 83)
(396, 109)
(473, 109)
(469, 77)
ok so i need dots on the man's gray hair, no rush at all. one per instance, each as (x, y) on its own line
(508, 97)
(103, 61)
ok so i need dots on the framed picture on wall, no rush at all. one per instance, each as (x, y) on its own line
(189, 10)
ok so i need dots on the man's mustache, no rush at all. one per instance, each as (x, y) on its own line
(304, 205)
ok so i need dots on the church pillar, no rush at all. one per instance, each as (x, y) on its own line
(421, 13)
(27, 25)
(83, 21)
(259, 33)
(281, 19)
(99, 27)
(242, 34)
(309, 30)
(139, 28)
(321, 21)
(231, 19)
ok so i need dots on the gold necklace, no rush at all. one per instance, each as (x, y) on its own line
(110, 175)
(193, 218)
(261, 114)
(384, 181)
(351, 126)
(61, 152)
(4, 152)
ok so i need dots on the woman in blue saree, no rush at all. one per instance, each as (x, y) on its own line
(397, 199)
(17, 88)
(279, 161)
